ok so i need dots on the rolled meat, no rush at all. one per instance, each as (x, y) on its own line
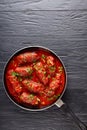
(15, 84)
(27, 57)
(41, 73)
(24, 71)
(33, 86)
(29, 98)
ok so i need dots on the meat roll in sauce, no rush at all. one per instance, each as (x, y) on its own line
(32, 86)
(27, 57)
(24, 71)
(29, 99)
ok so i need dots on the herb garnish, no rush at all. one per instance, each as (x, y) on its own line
(52, 68)
(15, 73)
(19, 78)
(49, 76)
(60, 68)
(43, 56)
(55, 96)
(29, 70)
(31, 96)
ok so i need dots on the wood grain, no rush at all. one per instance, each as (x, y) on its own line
(60, 25)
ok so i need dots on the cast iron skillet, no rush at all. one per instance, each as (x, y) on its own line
(59, 103)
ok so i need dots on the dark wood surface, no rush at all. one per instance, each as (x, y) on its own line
(60, 25)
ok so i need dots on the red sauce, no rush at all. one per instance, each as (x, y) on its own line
(35, 79)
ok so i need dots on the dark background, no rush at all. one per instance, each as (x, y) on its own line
(60, 25)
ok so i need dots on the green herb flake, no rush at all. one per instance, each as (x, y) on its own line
(44, 72)
(15, 73)
(19, 78)
(29, 70)
(54, 97)
(49, 76)
(60, 69)
(52, 68)
(43, 56)
(31, 96)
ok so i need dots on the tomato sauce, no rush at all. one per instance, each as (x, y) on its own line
(35, 79)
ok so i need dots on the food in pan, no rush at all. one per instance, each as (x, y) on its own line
(35, 79)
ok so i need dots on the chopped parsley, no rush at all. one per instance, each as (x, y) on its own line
(49, 76)
(19, 78)
(15, 73)
(43, 56)
(31, 96)
(52, 68)
(60, 69)
(44, 72)
(29, 70)
(54, 97)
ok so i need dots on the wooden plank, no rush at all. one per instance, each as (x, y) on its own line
(23, 5)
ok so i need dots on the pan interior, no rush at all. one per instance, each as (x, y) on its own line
(31, 49)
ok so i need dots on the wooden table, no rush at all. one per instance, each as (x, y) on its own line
(60, 25)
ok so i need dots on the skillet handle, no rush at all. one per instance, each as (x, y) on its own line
(66, 110)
